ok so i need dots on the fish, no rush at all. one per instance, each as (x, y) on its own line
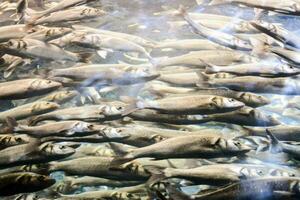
(96, 166)
(260, 188)
(118, 76)
(192, 104)
(98, 41)
(70, 184)
(27, 110)
(31, 48)
(189, 146)
(249, 99)
(33, 152)
(91, 112)
(11, 63)
(279, 85)
(216, 174)
(62, 128)
(17, 31)
(196, 58)
(246, 116)
(58, 7)
(133, 38)
(260, 69)
(221, 38)
(78, 13)
(24, 88)
(16, 183)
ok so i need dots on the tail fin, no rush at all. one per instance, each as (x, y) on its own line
(275, 146)
(203, 80)
(11, 123)
(157, 175)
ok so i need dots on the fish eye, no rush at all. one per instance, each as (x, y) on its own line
(292, 175)
(291, 67)
(90, 126)
(49, 82)
(119, 130)
(231, 100)
(19, 139)
(120, 108)
(62, 147)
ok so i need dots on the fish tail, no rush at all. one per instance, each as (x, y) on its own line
(11, 123)
(275, 146)
(209, 68)
(203, 80)
(157, 175)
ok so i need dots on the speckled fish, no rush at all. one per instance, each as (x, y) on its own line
(189, 146)
(72, 14)
(12, 140)
(31, 48)
(90, 112)
(250, 99)
(261, 188)
(192, 104)
(15, 183)
(219, 37)
(25, 88)
(245, 116)
(260, 69)
(287, 86)
(33, 152)
(216, 57)
(48, 34)
(27, 110)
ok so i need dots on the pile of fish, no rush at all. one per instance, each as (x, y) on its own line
(91, 113)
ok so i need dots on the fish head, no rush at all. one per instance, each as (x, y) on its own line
(112, 132)
(51, 149)
(242, 43)
(281, 173)
(80, 127)
(111, 110)
(289, 69)
(64, 95)
(44, 105)
(35, 180)
(253, 99)
(234, 146)
(40, 84)
(222, 102)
